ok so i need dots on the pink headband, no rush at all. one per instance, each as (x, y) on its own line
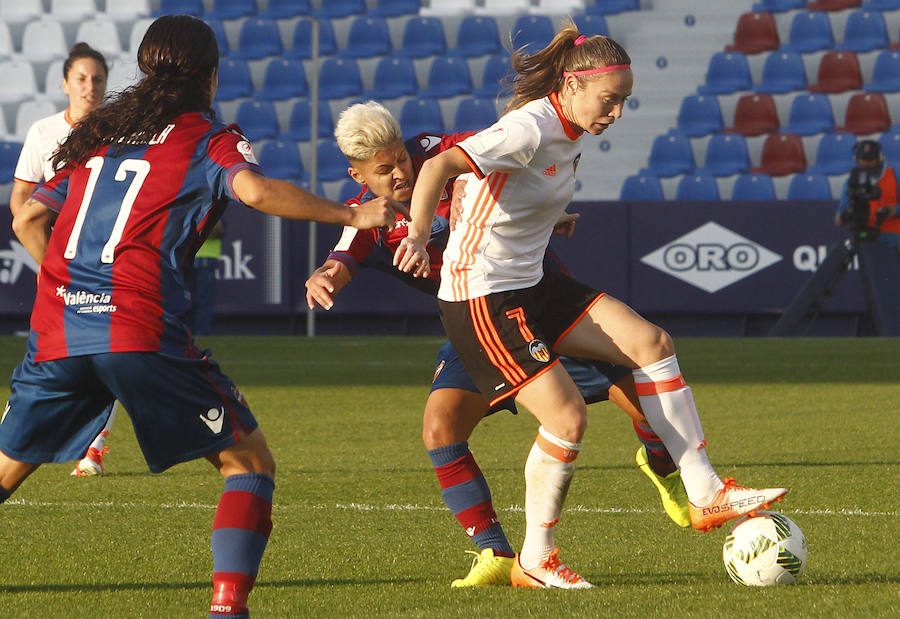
(615, 67)
(581, 39)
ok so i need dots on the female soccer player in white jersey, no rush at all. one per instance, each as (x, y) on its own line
(509, 321)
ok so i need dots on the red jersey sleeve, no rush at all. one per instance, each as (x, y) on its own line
(229, 153)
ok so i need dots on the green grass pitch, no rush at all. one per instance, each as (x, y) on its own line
(360, 529)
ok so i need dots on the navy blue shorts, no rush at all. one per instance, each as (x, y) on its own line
(181, 408)
(593, 378)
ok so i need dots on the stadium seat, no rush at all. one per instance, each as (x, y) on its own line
(478, 36)
(349, 190)
(281, 9)
(810, 114)
(139, 29)
(473, 114)
(533, 31)
(782, 72)
(890, 146)
(123, 72)
(395, 76)
(233, 9)
(28, 112)
(867, 112)
(495, 71)
(258, 120)
(753, 187)
(17, 77)
(838, 72)
(699, 115)
(43, 40)
(9, 156)
(697, 187)
(755, 115)
(810, 32)
(809, 187)
(448, 76)
(726, 154)
(779, 6)
(755, 32)
(333, 9)
(503, 7)
(421, 116)
(127, 10)
(234, 79)
(834, 154)
(591, 25)
(671, 155)
(832, 5)
(368, 37)
(299, 124)
(782, 154)
(258, 38)
(423, 36)
(640, 187)
(284, 79)
(21, 11)
(865, 31)
(611, 7)
(395, 8)
(6, 44)
(281, 159)
(181, 7)
(332, 165)
(102, 34)
(301, 40)
(727, 72)
(339, 78)
(70, 11)
(886, 73)
(556, 7)
(883, 5)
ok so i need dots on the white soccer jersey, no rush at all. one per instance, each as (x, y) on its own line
(523, 177)
(41, 142)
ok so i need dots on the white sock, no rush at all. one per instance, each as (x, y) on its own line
(100, 440)
(548, 473)
(669, 406)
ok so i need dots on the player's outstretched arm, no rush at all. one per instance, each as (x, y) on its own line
(287, 200)
(32, 226)
(325, 282)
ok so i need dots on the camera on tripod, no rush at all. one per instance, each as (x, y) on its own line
(862, 188)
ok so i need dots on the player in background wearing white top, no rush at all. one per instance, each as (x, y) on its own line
(84, 81)
(509, 321)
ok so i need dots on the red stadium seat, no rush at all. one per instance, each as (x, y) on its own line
(755, 115)
(867, 112)
(838, 72)
(755, 33)
(831, 5)
(782, 154)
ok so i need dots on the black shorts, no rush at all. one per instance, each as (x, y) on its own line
(506, 339)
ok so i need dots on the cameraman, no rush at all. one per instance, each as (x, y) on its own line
(882, 209)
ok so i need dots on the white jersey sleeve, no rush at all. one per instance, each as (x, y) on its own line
(30, 167)
(43, 138)
(506, 146)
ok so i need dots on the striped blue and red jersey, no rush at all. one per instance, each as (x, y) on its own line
(129, 221)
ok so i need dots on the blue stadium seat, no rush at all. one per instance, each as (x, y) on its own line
(473, 114)
(234, 79)
(448, 76)
(178, 7)
(368, 37)
(886, 73)
(332, 163)
(810, 32)
(671, 155)
(700, 115)
(9, 156)
(591, 24)
(395, 8)
(257, 119)
(281, 159)
(339, 78)
(284, 79)
(495, 70)
(421, 116)
(697, 187)
(333, 9)
(726, 154)
(478, 36)
(349, 190)
(233, 9)
(779, 6)
(395, 76)
(641, 187)
(727, 72)
(890, 146)
(298, 126)
(218, 30)
(301, 40)
(810, 114)
(533, 31)
(834, 154)
(865, 31)
(782, 72)
(610, 7)
(258, 38)
(883, 5)
(280, 9)
(423, 36)
(809, 187)
(753, 187)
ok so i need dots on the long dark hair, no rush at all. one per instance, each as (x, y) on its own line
(178, 57)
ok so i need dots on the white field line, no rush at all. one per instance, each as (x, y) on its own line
(413, 507)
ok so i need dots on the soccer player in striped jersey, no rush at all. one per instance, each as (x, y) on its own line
(384, 165)
(510, 321)
(140, 184)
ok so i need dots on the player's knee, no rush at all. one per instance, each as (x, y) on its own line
(436, 429)
(656, 345)
(571, 424)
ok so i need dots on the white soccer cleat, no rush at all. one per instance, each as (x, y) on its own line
(551, 574)
(732, 501)
(91, 465)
